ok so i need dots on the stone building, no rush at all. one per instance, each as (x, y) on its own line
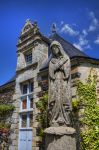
(31, 81)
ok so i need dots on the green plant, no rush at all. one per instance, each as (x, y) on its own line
(4, 125)
(6, 109)
(75, 105)
(90, 121)
(42, 118)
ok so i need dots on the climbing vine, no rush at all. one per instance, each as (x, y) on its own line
(42, 118)
(89, 122)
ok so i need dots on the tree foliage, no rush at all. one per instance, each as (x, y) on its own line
(6, 109)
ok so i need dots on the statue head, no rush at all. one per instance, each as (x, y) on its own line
(55, 48)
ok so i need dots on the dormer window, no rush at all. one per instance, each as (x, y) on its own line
(28, 58)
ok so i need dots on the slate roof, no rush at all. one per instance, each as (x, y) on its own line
(9, 81)
(70, 50)
(68, 47)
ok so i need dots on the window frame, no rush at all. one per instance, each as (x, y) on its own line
(28, 120)
(28, 103)
(28, 110)
(28, 58)
(22, 93)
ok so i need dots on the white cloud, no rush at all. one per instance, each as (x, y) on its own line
(78, 46)
(88, 46)
(74, 24)
(82, 40)
(85, 33)
(62, 22)
(91, 14)
(83, 43)
(66, 28)
(97, 40)
(94, 22)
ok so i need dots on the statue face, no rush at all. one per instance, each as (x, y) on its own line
(55, 50)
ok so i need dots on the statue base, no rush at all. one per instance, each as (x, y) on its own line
(60, 138)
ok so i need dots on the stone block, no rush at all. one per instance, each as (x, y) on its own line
(15, 142)
(13, 137)
(36, 148)
(13, 147)
(34, 142)
(34, 131)
(60, 138)
(35, 124)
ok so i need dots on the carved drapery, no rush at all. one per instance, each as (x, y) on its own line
(59, 87)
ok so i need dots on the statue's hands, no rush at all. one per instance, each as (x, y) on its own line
(57, 65)
(60, 63)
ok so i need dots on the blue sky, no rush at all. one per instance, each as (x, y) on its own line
(76, 20)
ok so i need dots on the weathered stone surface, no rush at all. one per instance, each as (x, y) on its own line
(60, 138)
(60, 130)
(36, 148)
(6, 94)
(59, 87)
(11, 147)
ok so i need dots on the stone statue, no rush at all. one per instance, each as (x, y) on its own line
(60, 135)
(59, 87)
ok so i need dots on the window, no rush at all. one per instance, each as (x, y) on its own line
(31, 87)
(28, 58)
(27, 87)
(24, 91)
(24, 104)
(31, 120)
(26, 107)
(27, 97)
(31, 102)
(24, 120)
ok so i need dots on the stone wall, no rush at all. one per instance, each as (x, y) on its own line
(6, 98)
(6, 93)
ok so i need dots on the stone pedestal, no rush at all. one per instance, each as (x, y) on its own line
(60, 138)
